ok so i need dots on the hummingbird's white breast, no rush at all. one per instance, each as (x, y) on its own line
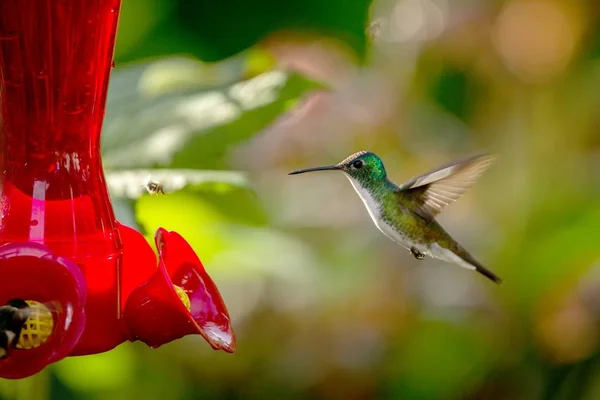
(374, 209)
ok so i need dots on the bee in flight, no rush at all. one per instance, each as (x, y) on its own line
(153, 187)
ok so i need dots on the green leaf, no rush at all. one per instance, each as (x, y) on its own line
(131, 183)
(161, 114)
(137, 19)
(221, 192)
(254, 107)
(201, 205)
(216, 30)
(202, 217)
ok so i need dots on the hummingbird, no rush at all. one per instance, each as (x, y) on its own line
(406, 213)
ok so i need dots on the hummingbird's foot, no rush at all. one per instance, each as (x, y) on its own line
(418, 255)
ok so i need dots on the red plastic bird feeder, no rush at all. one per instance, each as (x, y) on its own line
(91, 282)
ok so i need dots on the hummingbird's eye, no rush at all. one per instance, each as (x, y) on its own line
(358, 164)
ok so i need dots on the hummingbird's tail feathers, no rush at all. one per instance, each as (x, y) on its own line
(480, 268)
(488, 274)
(455, 254)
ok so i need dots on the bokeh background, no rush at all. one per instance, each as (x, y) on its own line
(220, 100)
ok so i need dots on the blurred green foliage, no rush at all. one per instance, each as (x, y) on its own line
(324, 306)
(173, 120)
(215, 30)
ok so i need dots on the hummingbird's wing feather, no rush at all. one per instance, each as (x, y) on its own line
(438, 188)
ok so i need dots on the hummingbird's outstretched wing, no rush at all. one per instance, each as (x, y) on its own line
(436, 189)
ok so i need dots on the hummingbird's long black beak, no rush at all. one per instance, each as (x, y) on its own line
(324, 168)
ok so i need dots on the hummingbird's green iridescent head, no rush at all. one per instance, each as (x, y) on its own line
(363, 166)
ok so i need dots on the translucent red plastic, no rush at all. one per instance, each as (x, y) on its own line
(156, 300)
(58, 235)
(55, 60)
(20, 261)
